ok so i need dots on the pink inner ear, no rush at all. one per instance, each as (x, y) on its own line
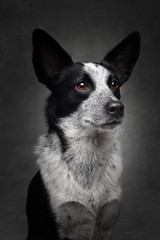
(119, 65)
(49, 65)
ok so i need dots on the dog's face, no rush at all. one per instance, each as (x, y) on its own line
(87, 92)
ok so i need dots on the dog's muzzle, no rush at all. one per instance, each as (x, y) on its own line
(114, 111)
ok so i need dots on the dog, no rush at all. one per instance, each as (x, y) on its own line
(76, 192)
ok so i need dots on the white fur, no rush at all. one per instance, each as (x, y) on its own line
(89, 171)
(98, 74)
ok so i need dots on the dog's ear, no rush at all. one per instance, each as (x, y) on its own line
(122, 59)
(48, 57)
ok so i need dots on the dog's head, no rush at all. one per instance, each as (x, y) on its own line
(89, 93)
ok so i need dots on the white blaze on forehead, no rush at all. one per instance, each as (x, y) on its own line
(98, 74)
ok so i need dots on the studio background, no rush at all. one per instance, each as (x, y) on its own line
(87, 30)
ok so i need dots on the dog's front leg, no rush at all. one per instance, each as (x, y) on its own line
(75, 222)
(107, 216)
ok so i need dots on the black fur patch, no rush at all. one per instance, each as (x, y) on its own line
(65, 97)
(41, 219)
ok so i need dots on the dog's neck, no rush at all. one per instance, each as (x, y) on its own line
(88, 150)
(91, 137)
(91, 162)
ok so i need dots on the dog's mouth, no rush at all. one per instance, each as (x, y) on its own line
(108, 125)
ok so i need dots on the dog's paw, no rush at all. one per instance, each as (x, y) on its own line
(75, 222)
(108, 215)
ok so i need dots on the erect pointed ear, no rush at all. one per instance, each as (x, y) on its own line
(48, 57)
(122, 59)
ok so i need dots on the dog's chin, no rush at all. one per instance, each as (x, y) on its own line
(108, 125)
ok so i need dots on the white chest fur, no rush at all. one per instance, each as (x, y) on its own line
(88, 172)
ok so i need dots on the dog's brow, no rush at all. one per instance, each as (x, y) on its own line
(97, 73)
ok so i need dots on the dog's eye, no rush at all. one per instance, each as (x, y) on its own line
(81, 86)
(114, 85)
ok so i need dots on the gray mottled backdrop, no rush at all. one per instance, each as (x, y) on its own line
(87, 29)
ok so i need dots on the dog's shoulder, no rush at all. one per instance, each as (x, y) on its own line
(39, 213)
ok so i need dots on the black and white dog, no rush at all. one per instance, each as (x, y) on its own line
(76, 193)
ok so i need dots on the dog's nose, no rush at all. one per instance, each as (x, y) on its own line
(115, 108)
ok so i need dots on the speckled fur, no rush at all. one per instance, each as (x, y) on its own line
(89, 171)
(93, 110)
